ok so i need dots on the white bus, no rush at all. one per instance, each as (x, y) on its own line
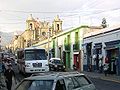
(32, 60)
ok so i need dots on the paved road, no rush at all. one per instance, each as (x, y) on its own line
(100, 84)
(105, 85)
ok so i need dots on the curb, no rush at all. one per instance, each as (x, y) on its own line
(107, 79)
(102, 77)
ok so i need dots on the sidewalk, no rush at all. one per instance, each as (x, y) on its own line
(2, 80)
(109, 77)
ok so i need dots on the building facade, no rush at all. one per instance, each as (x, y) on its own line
(36, 32)
(100, 47)
(67, 45)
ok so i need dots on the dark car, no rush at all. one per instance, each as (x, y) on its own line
(56, 64)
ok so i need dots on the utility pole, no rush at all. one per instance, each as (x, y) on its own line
(48, 42)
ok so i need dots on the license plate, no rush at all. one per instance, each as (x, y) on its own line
(37, 64)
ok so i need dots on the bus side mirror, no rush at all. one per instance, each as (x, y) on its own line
(46, 53)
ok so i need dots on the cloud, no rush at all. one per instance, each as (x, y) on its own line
(84, 10)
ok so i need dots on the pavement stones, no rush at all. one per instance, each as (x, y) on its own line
(3, 84)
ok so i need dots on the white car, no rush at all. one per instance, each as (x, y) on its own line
(56, 81)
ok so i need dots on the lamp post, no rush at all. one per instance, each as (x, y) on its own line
(48, 42)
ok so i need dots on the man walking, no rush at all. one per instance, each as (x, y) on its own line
(9, 73)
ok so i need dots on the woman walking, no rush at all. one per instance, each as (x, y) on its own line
(9, 73)
(105, 68)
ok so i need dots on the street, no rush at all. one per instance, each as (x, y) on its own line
(99, 83)
(105, 85)
(61, 43)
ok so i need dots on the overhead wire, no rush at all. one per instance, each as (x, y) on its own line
(70, 15)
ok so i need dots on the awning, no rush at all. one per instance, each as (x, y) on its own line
(75, 52)
(112, 44)
(110, 47)
(98, 45)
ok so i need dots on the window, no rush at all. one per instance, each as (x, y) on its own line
(76, 83)
(36, 85)
(31, 26)
(69, 83)
(60, 85)
(83, 81)
(58, 27)
(35, 55)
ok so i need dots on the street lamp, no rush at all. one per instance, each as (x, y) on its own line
(48, 41)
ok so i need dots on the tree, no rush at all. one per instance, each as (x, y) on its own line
(104, 23)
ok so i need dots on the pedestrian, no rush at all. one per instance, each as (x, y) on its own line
(74, 67)
(105, 68)
(9, 74)
(100, 66)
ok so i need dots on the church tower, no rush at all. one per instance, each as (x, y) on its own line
(30, 23)
(57, 25)
(31, 27)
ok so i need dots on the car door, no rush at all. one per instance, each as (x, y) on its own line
(60, 85)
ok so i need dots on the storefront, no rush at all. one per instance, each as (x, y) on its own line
(113, 56)
(77, 60)
(87, 63)
(97, 57)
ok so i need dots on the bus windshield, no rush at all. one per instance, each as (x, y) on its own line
(35, 54)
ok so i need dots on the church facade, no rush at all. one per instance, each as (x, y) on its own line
(36, 31)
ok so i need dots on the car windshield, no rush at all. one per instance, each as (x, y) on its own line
(57, 61)
(36, 85)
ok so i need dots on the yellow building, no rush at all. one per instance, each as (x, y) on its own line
(36, 31)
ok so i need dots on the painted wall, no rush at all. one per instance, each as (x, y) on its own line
(106, 36)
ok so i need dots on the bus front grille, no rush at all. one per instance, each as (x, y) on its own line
(37, 64)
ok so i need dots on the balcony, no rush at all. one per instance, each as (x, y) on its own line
(67, 47)
(76, 46)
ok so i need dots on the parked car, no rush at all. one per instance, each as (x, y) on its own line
(56, 81)
(56, 64)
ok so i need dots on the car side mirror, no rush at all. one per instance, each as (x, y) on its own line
(46, 53)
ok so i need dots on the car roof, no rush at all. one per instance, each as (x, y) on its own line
(55, 58)
(32, 48)
(52, 75)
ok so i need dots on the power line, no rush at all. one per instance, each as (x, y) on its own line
(13, 23)
(70, 15)
(19, 11)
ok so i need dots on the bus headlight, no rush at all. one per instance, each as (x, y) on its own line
(63, 66)
(27, 65)
(46, 64)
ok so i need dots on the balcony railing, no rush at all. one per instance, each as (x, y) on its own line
(76, 46)
(67, 47)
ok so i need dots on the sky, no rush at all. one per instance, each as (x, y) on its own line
(13, 13)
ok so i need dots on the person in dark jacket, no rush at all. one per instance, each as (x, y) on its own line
(9, 73)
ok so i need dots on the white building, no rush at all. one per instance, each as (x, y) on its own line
(100, 47)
